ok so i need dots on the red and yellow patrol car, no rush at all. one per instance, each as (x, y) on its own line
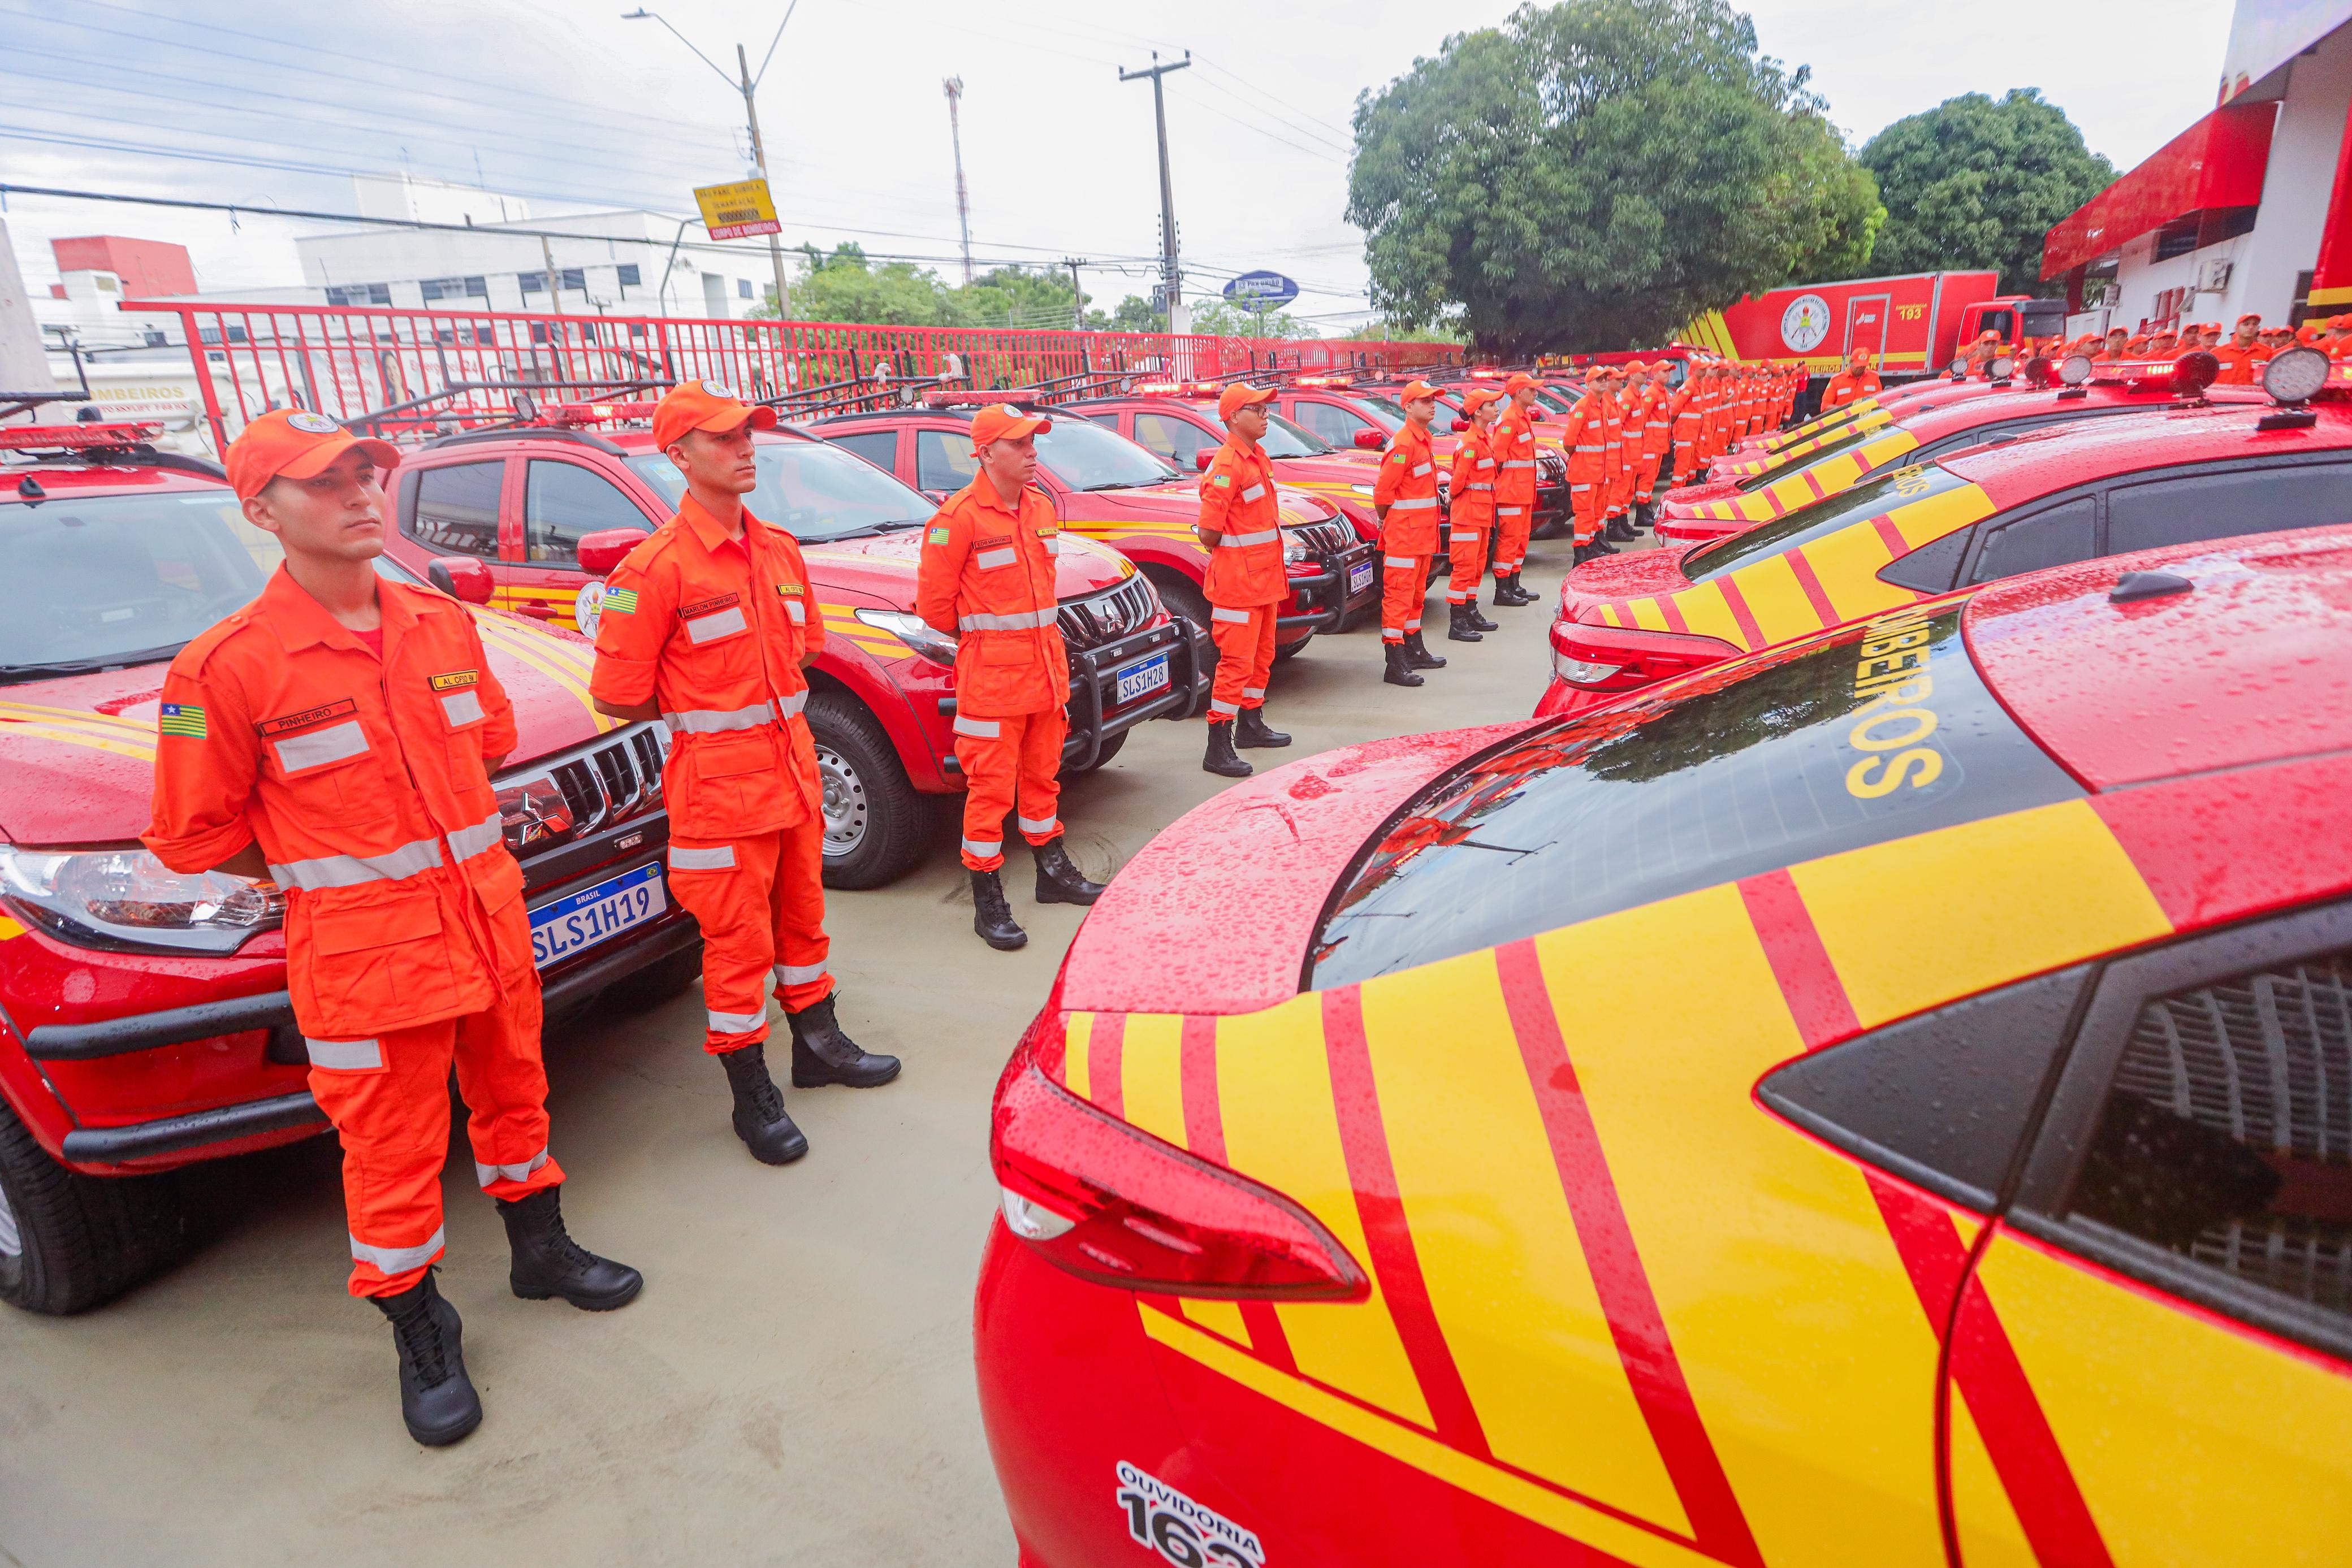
(1107, 489)
(1801, 474)
(1935, 1154)
(143, 1015)
(525, 500)
(2067, 493)
(1908, 395)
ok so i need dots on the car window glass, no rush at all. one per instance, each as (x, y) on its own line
(1085, 456)
(1333, 423)
(454, 510)
(879, 448)
(944, 461)
(2055, 536)
(562, 501)
(1931, 568)
(1284, 438)
(2218, 506)
(810, 489)
(123, 579)
(1171, 439)
(2226, 1136)
(1877, 494)
(1874, 731)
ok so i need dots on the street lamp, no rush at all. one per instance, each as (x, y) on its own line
(747, 84)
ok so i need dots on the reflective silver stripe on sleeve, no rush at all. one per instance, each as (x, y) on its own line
(400, 1259)
(1254, 492)
(735, 1023)
(799, 974)
(989, 559)
(717, 857)
(1226, 612)
(797, 611)
(1515, 511)
(718, 721)
(978, 728)
(983, 849)
(1021, 622)
(467, 842)
(344, 1055)
(1485, 463)
(520, 1171)
(1396, 561)
(1530, 461)
(1414, 505)
(1038, 824)
(1262, 536)
(352, 870)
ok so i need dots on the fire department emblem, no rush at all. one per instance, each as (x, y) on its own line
(1805, 323)
(718, 389)
(312, 424)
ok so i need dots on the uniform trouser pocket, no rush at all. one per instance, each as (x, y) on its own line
(759, 901)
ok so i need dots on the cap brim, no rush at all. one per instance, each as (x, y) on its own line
(1255, 395)
(758, 417)
(309, 464)
(1027, 424)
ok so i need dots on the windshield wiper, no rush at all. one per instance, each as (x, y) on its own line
(865, 530)
(87, 666)
(1120, 485)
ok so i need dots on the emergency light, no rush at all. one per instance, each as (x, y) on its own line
(1999, 368)
(128, 432)
(564, 413)
(2295, 375)
(2074, 369)
(1326, 380)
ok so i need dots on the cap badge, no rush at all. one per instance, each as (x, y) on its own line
(312, 424)
(720, 389)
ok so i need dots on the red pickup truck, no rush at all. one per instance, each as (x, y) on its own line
(143, 1015)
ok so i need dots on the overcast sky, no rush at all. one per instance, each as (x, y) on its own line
(575, 107)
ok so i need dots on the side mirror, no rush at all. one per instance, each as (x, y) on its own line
(600, 552)
(1204, 457)
(462, 577)
(1371, 440)
(1460, 425)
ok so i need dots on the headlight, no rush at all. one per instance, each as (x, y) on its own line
(1293, 549)
(916, 632)
(1363, 490)
(125, 895)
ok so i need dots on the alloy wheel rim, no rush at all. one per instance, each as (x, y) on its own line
(847, 813)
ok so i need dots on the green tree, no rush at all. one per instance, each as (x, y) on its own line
(1135, 314)
(1222, 319)
(847, 287)
(1596, 173)
(1015, 296)
(1976, 184)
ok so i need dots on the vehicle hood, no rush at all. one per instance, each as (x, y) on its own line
(78, 754)
(1180, 500)
(1612, 579)
(882, 568)
(1682, 497)
(1216, 914)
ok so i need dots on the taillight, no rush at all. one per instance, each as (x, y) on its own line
(1114, 1205)
(1623, 659)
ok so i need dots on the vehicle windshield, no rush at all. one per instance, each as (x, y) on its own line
(1283, 439)
(812, 491)
(1085, 456)
(1557, 401)
(1876, 495)
(122, 579)
(1870, 732)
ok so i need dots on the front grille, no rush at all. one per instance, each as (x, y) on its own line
(1106, 617)
(1324, 539)
(548, 804)
(1551, 468)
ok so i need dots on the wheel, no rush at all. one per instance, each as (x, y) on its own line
(1185, 598)
(1102, 758)
(69, 1241)
(876, 825)
(1285, 651)
(656, 983)
(1553, 528)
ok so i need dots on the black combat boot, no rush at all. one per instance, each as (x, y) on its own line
(1621, 528)
(759, 1118)
(436, 1398)
(1219, 759)
(1477, 621)
(548, 1262)
(1458, 627)
(1508, 591)
(992, 916)
(822, 1054)
(1417, 653)
(1400, 672)
(1059, 881)
(1250, 730)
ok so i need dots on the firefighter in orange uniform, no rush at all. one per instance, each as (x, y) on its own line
(987, 579)
(1628, 387)
(1241, 528)
(1684, 414)
(1712, 415)
(1657, 437)
(1585, 442)
(337, 736)
(1512, 443)
(1472, 518)
(1405, 497)
(2243, 355)
(1617, 484)
(1856, 381)
(707, 625)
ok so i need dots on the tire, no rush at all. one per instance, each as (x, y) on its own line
(656, 983)
(877, 823)
(1553, 528)
(1110, 748)
(69, 1241)
(1285, 651)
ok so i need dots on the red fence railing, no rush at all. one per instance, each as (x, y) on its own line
(417, 368)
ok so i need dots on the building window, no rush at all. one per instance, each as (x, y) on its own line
(477, 287)
(435, 289)
(532, 282)
(743, 287)
(576, 278)
(628, 271)
(2177, 238)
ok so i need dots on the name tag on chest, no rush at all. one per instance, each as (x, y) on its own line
(709, 620)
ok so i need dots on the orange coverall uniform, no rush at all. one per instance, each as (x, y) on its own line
(407, 949)
(2240, 367)
(1512, 441)
(1847, 385)
(987, 579)
(1407, 487)
(1657, 435)
(1624, 439)
(1472, 518)
(1247, 583)
(715, 632)
(1683, 415)
(1586, 442)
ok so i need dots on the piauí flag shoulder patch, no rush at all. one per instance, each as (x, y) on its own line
(185, 719)
(1224, 481)
(620, 602)
(939, 536)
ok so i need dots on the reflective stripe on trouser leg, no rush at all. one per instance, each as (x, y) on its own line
(1244, 659)
(1402, 591)
(503, 1081)
(1021, 765)
(796, 918)
(1510, 547)
(1468, 551)
(733, 905)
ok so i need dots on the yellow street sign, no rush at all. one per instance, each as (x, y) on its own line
(737, 210)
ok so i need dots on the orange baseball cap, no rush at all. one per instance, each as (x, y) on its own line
(298, 444)
(705, 404)
(1635, 366)
(1003, 421)
(1421, 389)
(1518, 379)
(1477, 398)
(1239, 395)
(2254, 316)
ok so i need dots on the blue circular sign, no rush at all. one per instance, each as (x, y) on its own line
(1261, 291)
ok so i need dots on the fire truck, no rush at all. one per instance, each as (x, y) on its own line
(1914, 325)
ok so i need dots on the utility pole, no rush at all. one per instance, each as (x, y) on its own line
(1078, 295)
(963, 197)
(1172, 275)
(760, 162)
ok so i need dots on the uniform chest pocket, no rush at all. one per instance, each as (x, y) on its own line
(327, 768)
(715, 620)
(994, 554)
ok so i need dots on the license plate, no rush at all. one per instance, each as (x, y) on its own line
(1141, 678)
(597, 913)
(1360, 577)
